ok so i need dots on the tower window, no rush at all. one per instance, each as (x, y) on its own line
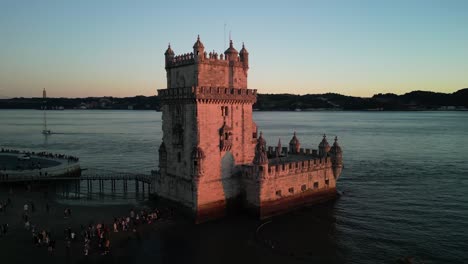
(316, 185)
(303, 187)
(179, 157)
(291, 190)
(224, 111)
(278, 193)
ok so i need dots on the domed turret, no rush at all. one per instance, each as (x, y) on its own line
(336, 155)
(169, 51)
(231, 53)
(336, 149)
(324, 147)
(244, 56)
(278, 148)
(169, 54)
(294, 144)
(261, 157)
(198, 48)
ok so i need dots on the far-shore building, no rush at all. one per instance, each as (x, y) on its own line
(212, 157)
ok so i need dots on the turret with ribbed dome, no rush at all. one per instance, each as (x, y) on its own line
(198, 48)
(261, 156)
(231, 53)
(244, 56)
(294, 144)
(336, 149)
(169, 54)
(336, 154)
(324, 147)
(278, 148)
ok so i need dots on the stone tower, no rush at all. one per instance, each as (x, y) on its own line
(208, 131)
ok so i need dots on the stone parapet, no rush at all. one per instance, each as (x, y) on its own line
(181, 60)
(283, 151)
(206, 94)
(279, 168)
(211, 58)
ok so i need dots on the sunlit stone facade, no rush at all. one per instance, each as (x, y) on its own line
(212, 159)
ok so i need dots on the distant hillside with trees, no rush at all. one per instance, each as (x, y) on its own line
(416, 100)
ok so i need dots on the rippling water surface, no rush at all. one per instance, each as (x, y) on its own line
(404, 185)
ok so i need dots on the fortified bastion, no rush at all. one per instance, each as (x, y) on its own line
(212, 157)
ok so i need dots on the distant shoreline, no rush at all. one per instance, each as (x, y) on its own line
(413, 101)
(306, 111)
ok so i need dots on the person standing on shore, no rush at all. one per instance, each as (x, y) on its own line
(107, 247)
(86, 246)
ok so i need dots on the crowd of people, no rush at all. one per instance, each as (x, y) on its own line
(96, 237)
(42, 154)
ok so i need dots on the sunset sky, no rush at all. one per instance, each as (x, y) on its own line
(115, 48)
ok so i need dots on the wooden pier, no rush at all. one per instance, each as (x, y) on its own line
(95, 182)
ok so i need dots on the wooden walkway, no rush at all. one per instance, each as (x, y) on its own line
(129, 177)
(141, 182)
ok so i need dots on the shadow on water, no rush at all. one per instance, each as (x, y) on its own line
(308, 234)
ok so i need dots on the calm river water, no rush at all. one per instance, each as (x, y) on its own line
(404, 187)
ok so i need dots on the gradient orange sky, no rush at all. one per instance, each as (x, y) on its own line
(115, 48)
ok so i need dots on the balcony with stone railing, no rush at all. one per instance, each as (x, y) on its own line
(209, 94)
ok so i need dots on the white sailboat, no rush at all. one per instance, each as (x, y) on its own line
(45, 131)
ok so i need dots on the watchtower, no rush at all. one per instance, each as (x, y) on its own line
(208, 131)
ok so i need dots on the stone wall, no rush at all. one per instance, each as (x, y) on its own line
(271, 189)
(296, 177)
(184, 76)
(227, 74)
(211, 72)
(220, 181)
(179, 137)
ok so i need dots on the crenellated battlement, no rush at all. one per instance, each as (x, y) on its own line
(207, 58)
(273, 152)
(280, 167)
(202, 68)
(208, 93)
(182, 59)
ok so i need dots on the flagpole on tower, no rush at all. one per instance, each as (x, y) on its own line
(224, 35)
